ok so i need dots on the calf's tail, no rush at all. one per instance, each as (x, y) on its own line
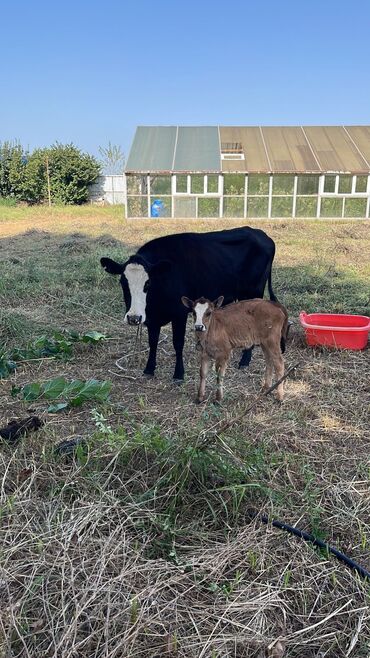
(284, 332)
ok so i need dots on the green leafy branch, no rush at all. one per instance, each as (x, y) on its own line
(71, 394)
(58, 346)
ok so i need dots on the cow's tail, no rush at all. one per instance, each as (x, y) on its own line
(286, 324)
(269, 283)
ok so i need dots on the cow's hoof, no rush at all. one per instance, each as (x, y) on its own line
(178, 381)
(148, 373)
(242, 366)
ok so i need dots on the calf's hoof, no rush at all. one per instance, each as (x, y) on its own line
(148, 373)
(199, 400)
(178, 380)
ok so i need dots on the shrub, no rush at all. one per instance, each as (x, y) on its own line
(70, 170)
(23, 175)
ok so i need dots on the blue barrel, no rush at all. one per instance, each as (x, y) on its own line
(157, 208)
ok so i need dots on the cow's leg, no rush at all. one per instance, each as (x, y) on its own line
(246, 358)
(220, 369)
(153, 335)
(204, 367)
(178, 338)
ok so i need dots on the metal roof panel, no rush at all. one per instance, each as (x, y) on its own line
(152, 149)
(197, 149)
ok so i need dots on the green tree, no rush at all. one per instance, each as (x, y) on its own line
(12, 164)
(113, 158)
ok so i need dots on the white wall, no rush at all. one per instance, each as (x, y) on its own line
(109, 189)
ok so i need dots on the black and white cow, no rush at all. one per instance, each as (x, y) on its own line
(235, 263)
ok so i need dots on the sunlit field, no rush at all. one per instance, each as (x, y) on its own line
(146, 540)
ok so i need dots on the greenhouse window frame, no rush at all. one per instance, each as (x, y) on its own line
(205, 185)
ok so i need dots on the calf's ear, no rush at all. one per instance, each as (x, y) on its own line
(187, 302)
(218, 302)
(111, 266)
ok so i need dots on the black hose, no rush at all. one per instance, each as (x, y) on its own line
(316, 542)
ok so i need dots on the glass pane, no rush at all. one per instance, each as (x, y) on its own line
(160, 184)
(361, 184)
(137, 206)
(282, 184)
(185, 207)
(282, 206)
(160, 207)
(136, 184)
(331, 208)
(234, 183)
(197, 184)
(208, 207)
(257, 207)
(306, 206)
(345, 184)
(355, 208)
(258, 184)
(181, 183)
(308, 184)
(212, 183)
(329, 184)
(234, 206)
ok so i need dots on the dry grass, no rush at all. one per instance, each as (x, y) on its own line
(143, 545)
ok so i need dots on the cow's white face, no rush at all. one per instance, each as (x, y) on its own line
(137, 278)
(202, 314)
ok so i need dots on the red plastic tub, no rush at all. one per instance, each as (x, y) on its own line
(349, 332)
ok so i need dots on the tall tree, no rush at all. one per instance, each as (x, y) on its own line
(112, 158)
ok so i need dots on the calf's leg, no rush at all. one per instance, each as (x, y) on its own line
(269, 368)
(278, 363)
(220, 368)
(204, 367)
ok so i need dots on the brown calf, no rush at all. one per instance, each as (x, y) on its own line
(242, 324)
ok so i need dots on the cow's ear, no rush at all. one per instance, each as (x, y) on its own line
(161, 267)
(111, 266)
(187, 302)
(218, 302)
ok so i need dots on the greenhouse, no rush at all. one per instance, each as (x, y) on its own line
(249, 172)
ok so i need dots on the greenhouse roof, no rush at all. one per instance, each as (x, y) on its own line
(257, 149)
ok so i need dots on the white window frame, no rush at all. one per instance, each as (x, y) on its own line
(206, 185)
(359, 194)
(232, 156)
(174, 185)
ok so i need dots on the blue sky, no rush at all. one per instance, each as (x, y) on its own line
(89, 72)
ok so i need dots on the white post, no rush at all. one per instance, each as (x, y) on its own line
(295, 187)
(270, 197)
